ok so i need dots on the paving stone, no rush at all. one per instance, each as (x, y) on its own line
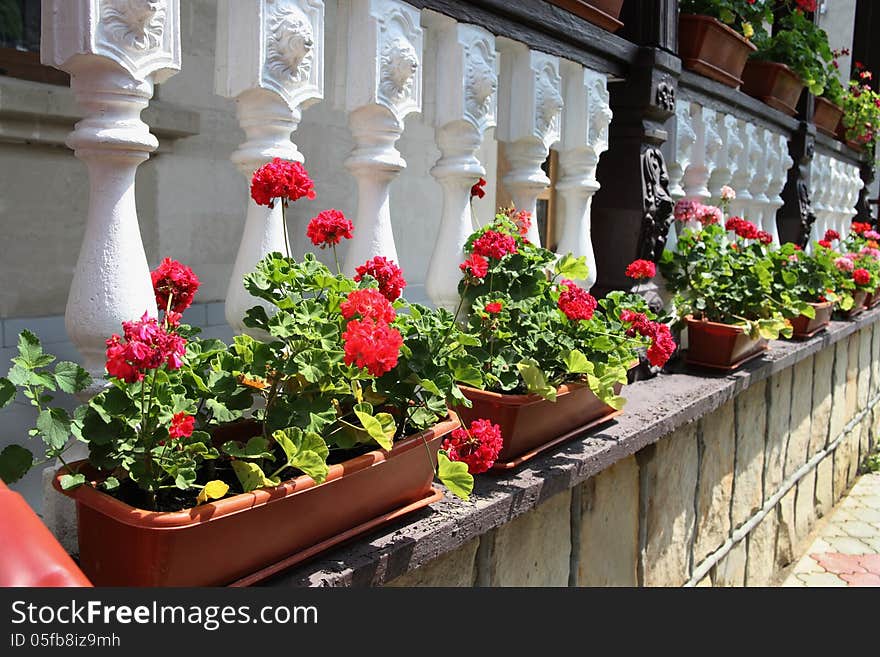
(821, 579)
(858, 529)
(870, 500)
(801, 412)
(824, 486)
(872, 543)
(717, 433)
(864, 377)
(778, 411)
(852, 376)
(839, 563)
(838, 407)
(823, 378)
(786, 538)
(454, 568)
(793, 582)
(807, 564)
(820, 546)
(731, 569)
(761, 563)
(862, 513)
(870, 562)
(535, 548)
(751, 425)
(669, 475)
(805, 504)
(862, 579)
(609, 544)
(849, 545)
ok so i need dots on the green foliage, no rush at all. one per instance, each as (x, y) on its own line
(861, 112)
(745, 16)
(454, 475)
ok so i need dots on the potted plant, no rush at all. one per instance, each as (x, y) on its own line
(332, 423)
(553, 358)
(604, 13)
(828, 107)
(795, 56)
(862, 247)
(714, 36)
(861, 112)
(852, 288)
(723, 283)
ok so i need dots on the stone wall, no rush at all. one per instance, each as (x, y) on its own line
(727, 499)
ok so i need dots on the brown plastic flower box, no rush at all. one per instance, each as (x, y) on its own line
(826, 116)
(803, 327)
(604, 13)
(711, 48)
(721, 346)
(774, 84)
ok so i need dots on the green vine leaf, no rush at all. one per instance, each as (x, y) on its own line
(455, 476)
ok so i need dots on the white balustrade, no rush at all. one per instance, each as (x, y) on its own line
(745, 168)
(467, 81)
(270, 59)
(834, 191)
(704, 155)
(727, 158)
(586, 117)
(529, 121)
(383, 85)
(754, 212)
(782, 162)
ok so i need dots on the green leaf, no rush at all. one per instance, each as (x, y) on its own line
(251, 476)
(381, 426)
(71, 378)
(430, 386)
(616, 402)
(110, 483)
(570, 267)
(7, 392)
(15, 461)
(467, 373)
(54, 425)
(305, 451)
(455, 476)
(69, 481)
(30, 350)
(314, 364)
(256, 448)
(535, 381)
(96, 431)
(577, 363)
(213, 490)
(185, 478)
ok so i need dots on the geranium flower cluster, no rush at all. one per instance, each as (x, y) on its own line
(387, 274)
(576, 302)
(475, 267)
(493, 244)
(370, 342)
(861, 276)
(329, 228)
(281, 179)
(689, 210)
(641, 269)
(478, 446)
(747, 230)
(175, 283)
(182, 425)
(144, 345)
(662, 343)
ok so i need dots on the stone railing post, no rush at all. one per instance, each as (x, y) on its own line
(270, 60)
(754, 212)
(704, 156)
(728, 156)
(383, 71)
(745, 167)
(467, 82)
(529, 121)
(585, 122)
(115, 51)
(778, 177)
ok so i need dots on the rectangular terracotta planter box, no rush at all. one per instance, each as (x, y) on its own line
(858, 306)
(260, 532)
(531, 424)
(711, 48)
(604, 13)
(721, 346)
(803, 327)
(826, 116)
(774, 84)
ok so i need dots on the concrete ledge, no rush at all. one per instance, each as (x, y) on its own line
(655, 409)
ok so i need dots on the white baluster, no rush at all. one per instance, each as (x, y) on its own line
(745, 168)
(270, 59)
(383, 86)
(114, 53)
(704, 155)
(529, 118)
(778, 178)
(758, 185)
(855, 186)
(820, 179)
(685, 138)
(726, 157)
(765, 218)
(467, 81)
(584, 138)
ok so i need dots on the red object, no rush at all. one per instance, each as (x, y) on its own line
(774, 84)
(233, 538)
(477, 446)
(803, 327)
(721, 346)
(31, 555)
(708, 47)
(604, 13)
(826, 116)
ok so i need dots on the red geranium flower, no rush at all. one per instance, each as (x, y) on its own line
(144, 345)
(662, 344)
(831, 235)
(175, 281)
(493, 244)
(371, 345)
(861, 276)
(824, 243)
(329, 228)
(182, 425)
(859, 227)
(386, 272)
(523, 221)
(575, 302)
(733, 223)
(764, 237)
(641, 269)
(477, 447)
(494, 307)
(475, 266)
(477, 190)
(747, 230)
(281, 179)
(369, 303)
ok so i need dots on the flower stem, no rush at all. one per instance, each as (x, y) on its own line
(336, 260)
(284, 228)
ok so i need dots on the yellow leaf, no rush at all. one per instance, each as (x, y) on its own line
(213, 490)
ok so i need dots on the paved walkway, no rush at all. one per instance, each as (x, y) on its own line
(847, 550)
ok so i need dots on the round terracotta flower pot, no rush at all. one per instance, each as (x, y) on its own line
(721, 346)
(531, 424)
(826, 116)
(250, 536)
(803, 327)
(774, 84)
(711, 48)
(603, 13)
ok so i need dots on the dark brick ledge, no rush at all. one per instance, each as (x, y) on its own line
(654, 409)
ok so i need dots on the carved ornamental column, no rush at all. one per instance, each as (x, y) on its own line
(270, 60)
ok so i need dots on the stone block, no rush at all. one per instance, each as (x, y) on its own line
(823, 380)
(805, 504)
(875, 360)
(852, 376)
(751, 425)
(535, 548)
(761, 563)
(844, 456)
(717, 437)
(786, 538)
(801, 412)
(864, 376)
(865, 436)
(454, 568)
(825, 486)
(778, 415)
(706, 582)
(852, 467)
(838, 406)
(609, 542)
(731, 569)
(669, 481)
